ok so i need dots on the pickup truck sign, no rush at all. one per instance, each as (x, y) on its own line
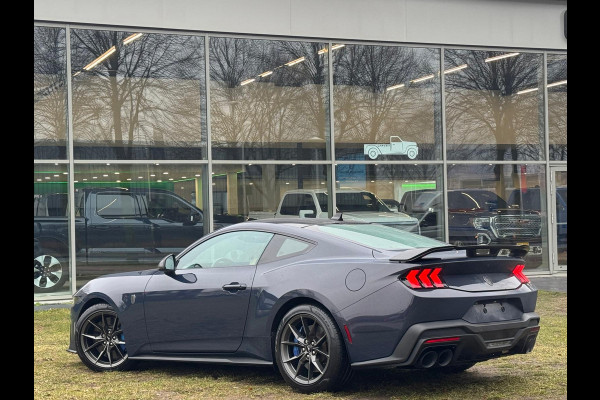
(396, 146)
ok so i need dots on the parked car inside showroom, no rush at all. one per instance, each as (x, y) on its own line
(479, 216)
(317, 298)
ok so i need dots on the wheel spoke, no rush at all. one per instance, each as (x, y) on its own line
(92, 337)
(93, 345)
(309, 371)
(318, 342)
(108, 354)
(100, 355)
(119, 350)
(95, 326)
(316, 363)
(103, 324)
(321, 352)
(47, 261)
(43, 281)
(294, 358)
(290, 343)
(304, 326)
(300, 363)
(114, 324)
(53, 278)
(296, 334)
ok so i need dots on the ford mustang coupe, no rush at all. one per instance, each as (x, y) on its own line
(318, 298)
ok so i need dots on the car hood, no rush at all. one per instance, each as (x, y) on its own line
(378, 217)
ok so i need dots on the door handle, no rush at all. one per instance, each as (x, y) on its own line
(234, 286)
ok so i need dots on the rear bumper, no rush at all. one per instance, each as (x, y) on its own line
(470, 342)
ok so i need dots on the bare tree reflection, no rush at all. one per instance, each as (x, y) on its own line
(283, 107)
(369, 110)
(147, 93)
(49, 92)
(557, 106)
(490, 113)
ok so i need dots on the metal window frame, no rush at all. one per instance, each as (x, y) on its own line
(330, 162)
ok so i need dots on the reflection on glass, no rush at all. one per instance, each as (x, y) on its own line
(390, 192)
(387, 103)
(269, 99)
(261, 191)
(51, 263)
(560, 178)
(49, 93)
(494, 105)
(557, 106)
(138, 96)
(128, 217)
(500, 204)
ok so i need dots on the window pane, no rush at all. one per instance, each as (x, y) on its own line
(494, 105)
(386, 194)
(557, 106)
(138, 96)
(291, 246)
(49, 93)
(265, 191)
(269, 99)
(500, 204)
(387, 103)
(235, 249)
(51, 262)
(130, 216)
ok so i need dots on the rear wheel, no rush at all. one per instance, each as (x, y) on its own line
(100, 341)
(49, 273)
(309, 350)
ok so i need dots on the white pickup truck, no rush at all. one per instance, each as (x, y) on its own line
(396, 146)
(354, 204)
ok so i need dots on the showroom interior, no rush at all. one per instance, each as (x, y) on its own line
(147, 137)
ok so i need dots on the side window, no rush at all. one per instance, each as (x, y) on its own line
(291, 246)
(294, 202)
(283, 247)
(233, 249)
(116, 205)
(170, 208)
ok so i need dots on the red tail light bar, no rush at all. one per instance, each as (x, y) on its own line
(518, 272)
(426, 278)
(429, 278)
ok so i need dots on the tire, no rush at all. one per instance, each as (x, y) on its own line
(412, 153)
(49, 273)
(328, 367)
(97, 330)
(373, 153)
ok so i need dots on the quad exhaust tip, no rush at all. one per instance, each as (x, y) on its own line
(432, 357)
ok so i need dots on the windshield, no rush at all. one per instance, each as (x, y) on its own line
(378, 236)
(359, 201)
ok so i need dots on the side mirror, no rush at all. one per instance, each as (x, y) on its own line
(306, 214)
(167, 264)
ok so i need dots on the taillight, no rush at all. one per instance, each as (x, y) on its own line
(426, 278)
(518, 272)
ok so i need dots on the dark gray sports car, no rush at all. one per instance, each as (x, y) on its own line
(317, 298)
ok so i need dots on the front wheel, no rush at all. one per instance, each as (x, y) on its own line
(100, 340)
(373, 153)
(49, 274)
(309, 350)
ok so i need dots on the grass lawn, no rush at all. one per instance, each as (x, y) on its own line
(541, 374)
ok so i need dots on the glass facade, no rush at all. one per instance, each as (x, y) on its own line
(153, 140)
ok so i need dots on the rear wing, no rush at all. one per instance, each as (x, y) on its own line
(489, 250)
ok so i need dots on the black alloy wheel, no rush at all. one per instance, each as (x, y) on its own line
(309, 350)
(49, 274)
(100, 339)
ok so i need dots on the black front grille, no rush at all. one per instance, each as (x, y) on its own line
(517, 226)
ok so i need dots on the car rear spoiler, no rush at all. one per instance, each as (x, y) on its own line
(489, 250)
